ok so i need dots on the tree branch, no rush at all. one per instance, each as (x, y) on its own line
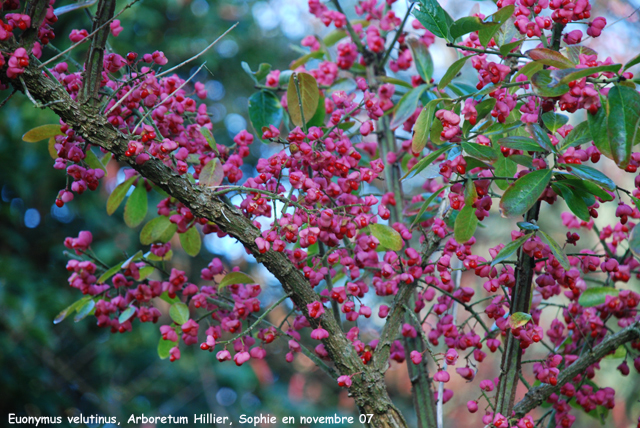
(369, 388)
(537, 395)
(92, 74)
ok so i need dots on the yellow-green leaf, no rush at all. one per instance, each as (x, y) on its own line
(519, 319)
(84, 310)
(302, 97)
(235, 278)
(117, 196)
(596, 296)
(164, 348)
(210, 140)
(160, 229)
(72, 307)
(179, 313)
(42, 133)
(388, 236)
(191, 241)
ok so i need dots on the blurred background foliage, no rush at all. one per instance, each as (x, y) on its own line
(74, 368)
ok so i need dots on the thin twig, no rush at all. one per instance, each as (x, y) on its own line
(198, 55)
(86, 39)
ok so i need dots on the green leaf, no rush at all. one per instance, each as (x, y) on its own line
(556, 250)
(621, 352)
(160, 229)
(171, 300)
(42, 133)
(452, 72)
(623, 123)
(466, 25)
(596, 296)
(423, 126)
(635, 60)
(525, 225)
(84, 310)
(318, 117)
(434, 18)
(504, 167)
(126, 314)
(523, 194)
(593, 175)
(257, 76)
(164, 348)
(529, 69)
(588, 187)
(426, 204)
(541, 137)
(508, 47)
(191, 241)
(179, 313)
(509, 249)
(235, 278)
(334, 37)
(579, 135)
(421, 131)
(109, 273)
(206, 133)
(549, 57)
(135, 209)
(153, 258)
(117, 196)
(479, 151)
(211, 174)
(520, 143)
(265, 110)
(302, 97)
(524, 160)
(571, 74)
(634, 240)
(518, 319)
(387, 236)
(422, 59)
(425, 162)
(306, 58)
(470, 193)
(574, 202)
(545, 86)
(598, 127)
(72, 307)
(497, 20)
(398, 82)
(92, 160)
(554, 121)
(435, 134)
(465, 225)
(146, 272)
(407, 105)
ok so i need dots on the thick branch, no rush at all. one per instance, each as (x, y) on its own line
(92, 75)
(537, 395)
(369, 388)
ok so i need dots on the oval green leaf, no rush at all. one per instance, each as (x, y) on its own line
(465, 225)
(509, 249)
(523, 194)
(556, 250)
(164, 348)
(84, 310)
(191, 241)
(235, 278)
(264, 110)
(135, 209)
(407, 105)
(179, 313)
(160, 229)
(117, 196)
(72, 307)
(389, 238)
(596, 296)
(518, 319)
(126, 314)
